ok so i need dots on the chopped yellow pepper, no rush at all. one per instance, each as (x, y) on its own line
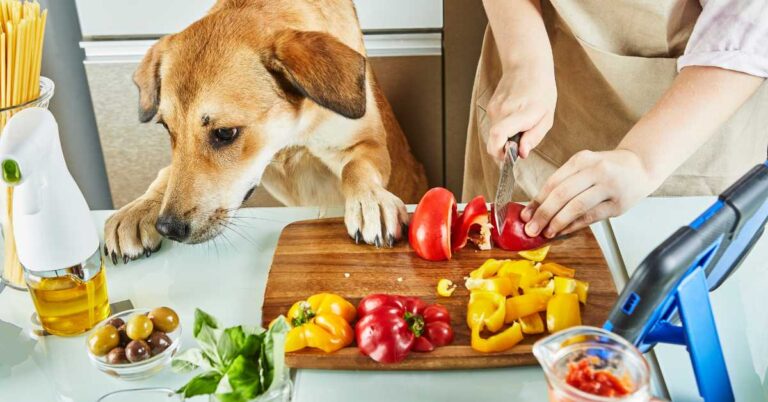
(558, 270)
(582, 288)
(501, 284)
(525, 305)
(537, 255)
(445, 287)
(540, 279)
(486, 309)
(546, 291)
(564, 285)
(519, 267)
(497, 343)
(487, 270)
(563, 312)
(532, 324)
(321, 321)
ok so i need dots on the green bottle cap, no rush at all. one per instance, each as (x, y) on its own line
(11, 171)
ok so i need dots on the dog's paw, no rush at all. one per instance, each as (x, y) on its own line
(130, 232)
(375, 217)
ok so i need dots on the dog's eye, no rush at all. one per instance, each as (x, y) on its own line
(223, 136)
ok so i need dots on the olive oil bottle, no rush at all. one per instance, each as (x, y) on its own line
(56, 240)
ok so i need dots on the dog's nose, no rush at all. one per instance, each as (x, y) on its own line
(172, 227)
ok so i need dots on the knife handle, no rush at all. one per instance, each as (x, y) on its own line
(512, 146)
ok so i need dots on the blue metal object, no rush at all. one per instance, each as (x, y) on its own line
(667, 298)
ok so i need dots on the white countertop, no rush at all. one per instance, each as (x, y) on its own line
(227, 279)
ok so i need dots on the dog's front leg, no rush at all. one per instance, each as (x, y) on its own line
(130, 232)
(372, 214)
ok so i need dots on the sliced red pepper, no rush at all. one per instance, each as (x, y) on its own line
(473, 224)
(430, 227)
(390, 326)
(514, 238)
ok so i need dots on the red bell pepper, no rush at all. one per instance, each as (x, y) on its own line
(472, 225)
(390, 326)
(430, 227)
(514, 238)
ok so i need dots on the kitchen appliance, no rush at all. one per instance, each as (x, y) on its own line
(667, 298)
(56, 240)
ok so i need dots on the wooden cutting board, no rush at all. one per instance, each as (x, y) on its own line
(317, 256)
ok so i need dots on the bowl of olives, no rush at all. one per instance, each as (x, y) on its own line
(135, 344)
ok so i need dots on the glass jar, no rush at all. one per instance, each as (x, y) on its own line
(12, 272)
(71, 300)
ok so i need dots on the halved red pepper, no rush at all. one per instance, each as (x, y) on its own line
(472, 225)
(513, 237)
(390, 326)
(430, 227)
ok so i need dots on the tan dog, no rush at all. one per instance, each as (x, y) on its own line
(267, 92)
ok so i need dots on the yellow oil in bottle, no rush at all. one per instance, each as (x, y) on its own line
(66, 305)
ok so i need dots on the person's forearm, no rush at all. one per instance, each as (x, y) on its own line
(699, 101)
(520, 34)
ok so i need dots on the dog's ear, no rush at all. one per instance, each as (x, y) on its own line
(147, 79)
(320, 67)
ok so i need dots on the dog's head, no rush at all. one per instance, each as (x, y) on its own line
(231, 95)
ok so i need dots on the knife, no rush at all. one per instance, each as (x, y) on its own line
(506, 181)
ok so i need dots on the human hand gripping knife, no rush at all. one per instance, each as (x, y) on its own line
(671, 285)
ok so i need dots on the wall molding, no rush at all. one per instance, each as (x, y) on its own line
(377, 45)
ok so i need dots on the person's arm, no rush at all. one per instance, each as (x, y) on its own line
(524, 100)
(593, 186)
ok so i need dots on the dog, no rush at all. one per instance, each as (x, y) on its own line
(272, 93)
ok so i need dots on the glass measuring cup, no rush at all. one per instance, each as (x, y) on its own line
(594, 349)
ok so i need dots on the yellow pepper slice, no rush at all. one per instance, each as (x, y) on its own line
(445, 287)
(322, 322)
(500, 284)
(519, 267)
(582, 288)
(500, 342)
(558, 270)
(487, 270)
(564, 285)
(486, 309)
(537, 255)
(532, 324)
(546, 291)
(525, 305)
(540, 279)
(326, 332)
(563, 312)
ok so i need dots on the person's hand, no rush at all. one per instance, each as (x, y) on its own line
(590, 187)
(523, 102)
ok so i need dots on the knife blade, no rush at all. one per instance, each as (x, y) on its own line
(506, 181)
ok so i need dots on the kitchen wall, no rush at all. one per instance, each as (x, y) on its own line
(426, 79)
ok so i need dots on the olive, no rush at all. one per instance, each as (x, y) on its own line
(116, 322)
(158, 342)
(103, 339)
(117, 356)
(139, 327)
(124, 339)
(137, 351)
(165, 319)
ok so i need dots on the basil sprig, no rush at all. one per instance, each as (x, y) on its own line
(239, 363)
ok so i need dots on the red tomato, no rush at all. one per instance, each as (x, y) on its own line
(514, 237)
(430, 228)
(603, 383)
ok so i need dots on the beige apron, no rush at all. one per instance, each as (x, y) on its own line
(613, 61)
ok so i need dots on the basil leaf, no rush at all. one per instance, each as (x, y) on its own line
(208, 339)
(202, 319)
(202, 384)
(235, 341)
(189, 360)
(244, 377)
(231, 397)
(273, 353)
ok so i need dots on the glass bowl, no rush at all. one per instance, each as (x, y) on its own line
(139, 370)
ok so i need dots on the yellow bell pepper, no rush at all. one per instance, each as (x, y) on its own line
(519, 267)
(322, 321)
(500, 342)
(525, 305)
(558, 270)
(537, 255)
(532, 324)
(487, 270)
(546, 291)
(563, 312)
(582, 288)
(500, 284)
(564, 285)
(540, 279)
(445, 287)
(486, 309)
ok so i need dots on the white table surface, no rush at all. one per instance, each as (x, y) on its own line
(227, 279)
